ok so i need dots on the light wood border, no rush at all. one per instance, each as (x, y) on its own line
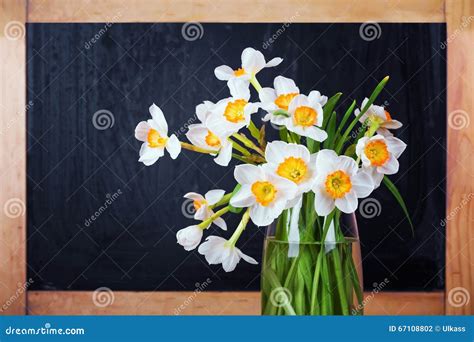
(12, 157)
(460, 86)
(211, 303)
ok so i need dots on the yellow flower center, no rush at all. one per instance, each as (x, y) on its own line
(283, 101)
(155, 139)
(388, 116)
(198, 204)
(293, 169)
(212, 139)
(338, 184)
(234, 111)
(264, 192)
(239, 72)
(377, 152)
(305, 116)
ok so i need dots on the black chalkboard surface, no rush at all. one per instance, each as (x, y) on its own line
(79, 169)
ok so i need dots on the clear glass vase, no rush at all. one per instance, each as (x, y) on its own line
(312, 266)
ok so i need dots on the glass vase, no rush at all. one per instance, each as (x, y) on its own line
(312, 265)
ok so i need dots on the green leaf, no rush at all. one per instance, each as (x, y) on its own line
(231, 208)
(281, 112)
(350, 151)
(372, 98)
(331, 131)
(329, 108)
(346, 116)
(393, 189)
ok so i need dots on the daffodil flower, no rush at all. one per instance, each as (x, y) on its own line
(201, 136)
(218, 250)
(305, 117)
(338, 183)
(293, 162)
(253, 62)
(279, 98)
(202, 206)
(378, 116)
(233, 113)
(190, 237)
(379, 155)
(265, 193)
(154, 134)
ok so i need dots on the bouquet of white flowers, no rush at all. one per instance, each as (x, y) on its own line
(302, 185)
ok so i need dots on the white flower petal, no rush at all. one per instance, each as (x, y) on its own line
(247, 258)
(273, 62)
(159, 118)
(149, 155)
(392, 124)
(225, 155)
(323, 204)
(189, 237)
(247, 174)
(194, 196)
(214, 196)
(203, 110)
(348, 203)
(395, 146)
(390, 167)
(252, 60)
(220, 223)
(267, 95)
(173, 146)
(362, 184)
(230, 259)
(243, 198)
(141, 131)
(262, 216)
(285, 86)
(239, 88)
(224, 72)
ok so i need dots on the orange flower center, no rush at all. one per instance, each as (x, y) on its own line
(234, 111)
(212, 139)
(338, 184)
(155, 139)
(283, 101)
(239, 72)
(377, 152)
(305, 116)
(264, 192)
(293, 169)
(198, 204)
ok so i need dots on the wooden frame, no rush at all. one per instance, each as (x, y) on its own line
(14, 295)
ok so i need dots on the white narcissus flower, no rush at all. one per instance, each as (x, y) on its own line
(279, 97)
(154, 134)
(265, 193)
(305, 118)
(190, 237)
(338, 183)
(379, 155)
(218, 250)
(253, 61)
(293, 162)
(201, 206)
(201, 136)
(378, 115)
(233, 113)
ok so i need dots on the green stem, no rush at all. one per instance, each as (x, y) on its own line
(223, 201)
(211, 219)
(241, 227)
(254, 131)
(340, 281)
(191, 147)
(255, 83)
(239, 148)
(248, 143)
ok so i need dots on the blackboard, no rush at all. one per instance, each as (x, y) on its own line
(78, 70)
